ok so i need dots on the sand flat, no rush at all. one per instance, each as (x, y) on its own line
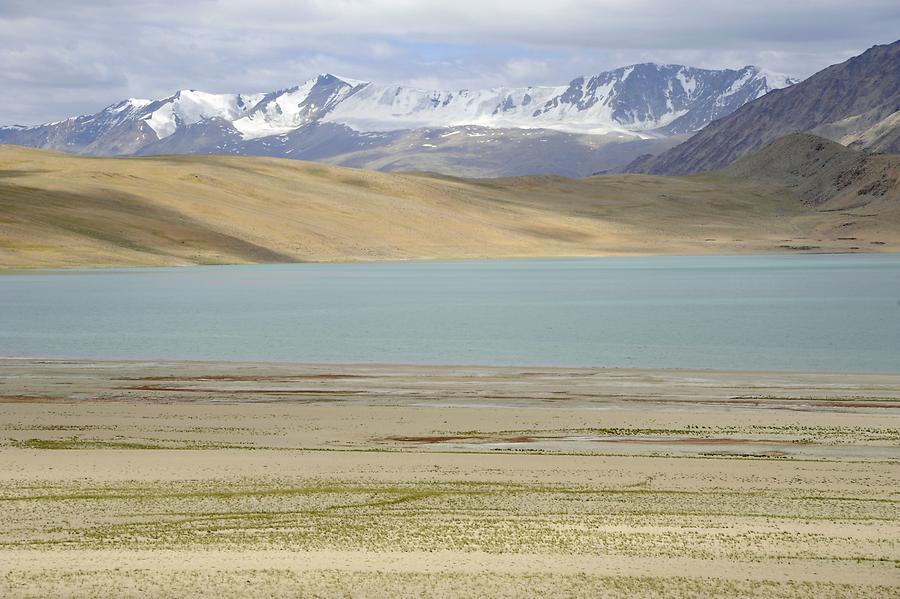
(241, 479)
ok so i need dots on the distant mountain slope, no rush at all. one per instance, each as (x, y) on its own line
(855, 102)
(823, 172)
(60, 210)
(471, 151)
(329, 116)
(870, 131)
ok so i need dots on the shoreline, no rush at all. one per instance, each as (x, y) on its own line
(428, 366)
(13, 270)
(62, 378)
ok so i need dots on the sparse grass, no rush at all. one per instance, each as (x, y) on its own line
(181, 210)
(328, 506)
(794, 433)
(491, 518)
(80, 443)
(281, 581)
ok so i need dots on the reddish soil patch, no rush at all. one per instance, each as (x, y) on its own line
(29, 398)
(244, 391)
(433, 439)
(249, 378)
(313, 377)
(444, 438)
(628, 440)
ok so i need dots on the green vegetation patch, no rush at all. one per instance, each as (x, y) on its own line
(79, 443)
(465, 517)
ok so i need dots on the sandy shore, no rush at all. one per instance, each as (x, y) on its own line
(240, 479)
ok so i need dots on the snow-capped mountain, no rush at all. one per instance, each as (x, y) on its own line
(638, 98)
(328, 116)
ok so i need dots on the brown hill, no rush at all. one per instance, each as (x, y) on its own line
(58, 210)
(823, 173)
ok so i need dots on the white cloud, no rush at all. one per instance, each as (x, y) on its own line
(526, 70)
(384, 51)
(59, 57)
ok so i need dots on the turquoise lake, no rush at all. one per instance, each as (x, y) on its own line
(800, 312)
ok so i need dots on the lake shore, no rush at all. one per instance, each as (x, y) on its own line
(247, 479)
(776, 252)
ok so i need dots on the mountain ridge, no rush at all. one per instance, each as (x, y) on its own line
(855, 102)
(644, 101)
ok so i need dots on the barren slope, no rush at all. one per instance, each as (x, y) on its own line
(855, 101)
(822, 172)
(60, 210)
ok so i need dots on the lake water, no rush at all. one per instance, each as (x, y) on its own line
(822, 312)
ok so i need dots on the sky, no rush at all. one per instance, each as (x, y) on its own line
(61, 58)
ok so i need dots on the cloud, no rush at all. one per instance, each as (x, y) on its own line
(59, 57)
(526, 70)
(383, 51)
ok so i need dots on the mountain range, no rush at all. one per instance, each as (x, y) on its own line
(775, 183)
(591, 124)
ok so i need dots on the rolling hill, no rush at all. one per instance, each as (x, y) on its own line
(58, 210)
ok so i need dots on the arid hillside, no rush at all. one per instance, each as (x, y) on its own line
(824, 173)
(58, 210)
